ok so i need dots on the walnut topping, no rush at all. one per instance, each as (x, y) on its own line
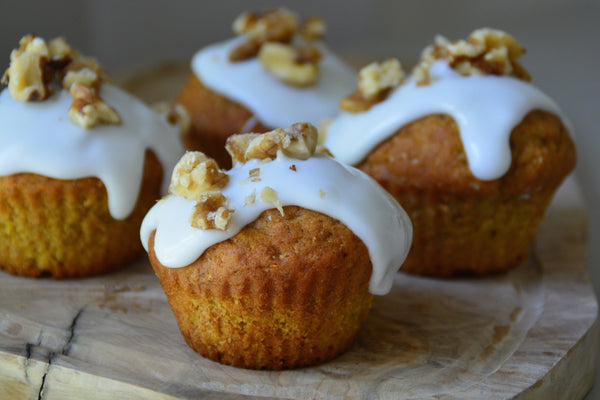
(88, 110)
(278, 25)
(194, 174)
(292, 65)
(26, 76)
(251, 198)
(211, 211)
(313, 28)
(175, 114)
(269, 195)
(197, 177)
(485, 52)
(298, 141)
(270, 36)
(375, 81)
(37, 67)
(254, 174)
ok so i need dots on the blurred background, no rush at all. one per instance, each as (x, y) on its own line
(561, 37)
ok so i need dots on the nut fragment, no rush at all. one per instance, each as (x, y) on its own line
(211, 212)
(375, 81)
(194, 174)
(35, 66)
(294, 66)
(272, 26)
(297, 141)
(313, 28)
(269, 195)
(26, 75)
(485, 52)
(88, 110)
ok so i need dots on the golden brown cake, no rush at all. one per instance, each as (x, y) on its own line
(470, 149)
(274, 73)
(258, 280)
(64, 229)
(81, 163)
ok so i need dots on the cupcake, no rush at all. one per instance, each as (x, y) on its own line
(81, 163)
(466, 144)
(274, 73)
(273, 264)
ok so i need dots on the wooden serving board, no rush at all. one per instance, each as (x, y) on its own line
(531, 333)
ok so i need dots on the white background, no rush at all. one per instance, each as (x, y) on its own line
(562, 38)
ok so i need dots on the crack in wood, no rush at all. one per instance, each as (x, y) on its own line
(66, 348)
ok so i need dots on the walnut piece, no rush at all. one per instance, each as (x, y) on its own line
(297, 141)
(375, 81)
(278, 25)
(211, 212)
(269, 195)
(26, 76)
(313, 28)
(36, 68)
(292, 65)
(485, 52)
(88, 110)
(195, 174)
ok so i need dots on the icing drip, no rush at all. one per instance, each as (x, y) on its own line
(40, 138)
(319, 183)
(486, 109)
(276, 104)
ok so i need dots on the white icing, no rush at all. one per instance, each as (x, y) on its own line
(40, 138)
(275, 103)
(319, 183)
(486, 109)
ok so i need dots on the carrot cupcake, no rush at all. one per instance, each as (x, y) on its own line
(274, 73)
(466, 144)
(274, 263)
(81, 162)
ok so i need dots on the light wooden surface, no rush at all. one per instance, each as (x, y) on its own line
(531, 333)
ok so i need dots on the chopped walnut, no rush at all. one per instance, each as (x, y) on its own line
(88, 110)
(375, 81)
(194, 174)
(485, 52)
(36, 68)
(84, 76)
(298, 141)
(176, 114)
(269, 37)
(251, 198)
(26, 76)
(313, 28)
(254, 174)
(211, 212)
(294, 66)
(278, 25)
(269, 195)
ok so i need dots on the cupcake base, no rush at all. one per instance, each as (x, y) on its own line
(213, 119)
(463, 225)
(64, 229)
(285, 292)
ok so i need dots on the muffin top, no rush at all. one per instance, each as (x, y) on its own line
(478, 82)
(60, 118)
(278, 69)
(272, 170)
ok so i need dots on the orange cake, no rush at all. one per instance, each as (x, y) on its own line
(274, 73)
(81, 162)
(466, 144)
(273, 264)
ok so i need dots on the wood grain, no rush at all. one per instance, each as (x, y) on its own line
(531, 333)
